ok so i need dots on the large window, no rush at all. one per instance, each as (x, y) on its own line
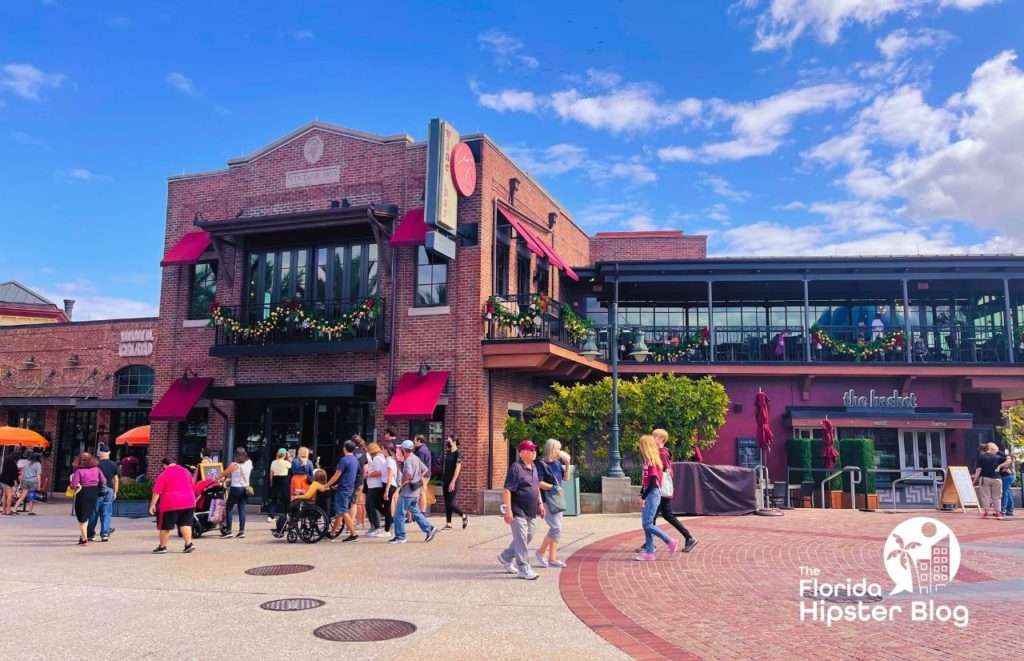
(501, 269)
(431, 279)
(522, 274)
(28, 418)
(134, 381)
(202, 290)
(337, 274)
(543, 276)
(808, 433)
(922, 449)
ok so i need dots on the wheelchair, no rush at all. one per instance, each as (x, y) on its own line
(306, 521)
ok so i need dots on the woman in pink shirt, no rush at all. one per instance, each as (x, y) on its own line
(173, 490)
(87, 480)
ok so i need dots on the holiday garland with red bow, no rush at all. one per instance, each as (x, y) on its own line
(294, 312)
(861, 349)
(686, 349)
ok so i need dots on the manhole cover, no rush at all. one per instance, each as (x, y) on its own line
(292, 604)
(278, 570)
(364, 631)
(842, 596)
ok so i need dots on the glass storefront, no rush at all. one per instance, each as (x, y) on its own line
(76, 433)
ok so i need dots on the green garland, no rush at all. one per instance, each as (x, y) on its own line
(577, 327)
(861, 349)
(685, 350)
(292, 311)
(494, 310)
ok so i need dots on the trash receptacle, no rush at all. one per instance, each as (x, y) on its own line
(572, 494)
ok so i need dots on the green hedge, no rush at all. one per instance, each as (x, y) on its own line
(798, 455)
(817, 461)
(131, 490)
(858, 452)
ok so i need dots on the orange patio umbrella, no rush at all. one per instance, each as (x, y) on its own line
(137, 436)
(22, 437)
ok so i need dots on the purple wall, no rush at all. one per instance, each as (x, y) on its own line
(786, 391)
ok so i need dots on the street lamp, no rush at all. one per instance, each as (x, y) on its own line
(590, 350)
(640, 350)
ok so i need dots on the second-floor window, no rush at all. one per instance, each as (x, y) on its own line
(431, 279)
(202, 290)
(501, 269)
(340, 274)
(134, 381)
(543, 275)
(522, 274)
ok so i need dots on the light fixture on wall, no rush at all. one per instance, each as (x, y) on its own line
(590, 350)
(423, 369)
(30, 361)
(189, 374)
(73, 360)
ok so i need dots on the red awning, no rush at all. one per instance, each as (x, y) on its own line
(412, 230)
(188, 250)
(179, 399)
(416, 396)
(516, 220)
(531, 241)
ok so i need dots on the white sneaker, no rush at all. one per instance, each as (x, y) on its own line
(528, 575)
(507, 565)
(540, 560)
(270, 519)
(373, 533)
(557, 564)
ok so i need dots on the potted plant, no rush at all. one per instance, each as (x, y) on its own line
(859, 452)
(133, 499)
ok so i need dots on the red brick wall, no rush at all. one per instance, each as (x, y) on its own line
(645, 246)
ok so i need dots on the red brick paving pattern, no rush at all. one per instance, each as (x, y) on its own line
(737, 594)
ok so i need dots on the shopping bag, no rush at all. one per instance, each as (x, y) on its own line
(216, 516)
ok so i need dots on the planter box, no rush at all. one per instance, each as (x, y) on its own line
(136, 509)
(872, 501)
(836, 499)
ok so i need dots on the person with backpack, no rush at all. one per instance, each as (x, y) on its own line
(553, 470)
(1008, 475)
(667, 491)
(653, 475)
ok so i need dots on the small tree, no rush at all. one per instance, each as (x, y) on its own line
(1013, 431)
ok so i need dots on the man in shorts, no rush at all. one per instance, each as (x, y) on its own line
(345, 477)
(173, 490)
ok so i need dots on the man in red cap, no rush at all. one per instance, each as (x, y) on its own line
(522, 504)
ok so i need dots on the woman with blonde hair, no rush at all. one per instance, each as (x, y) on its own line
(651, 495)
(987, 482)
(302, 472)
(665, 509)
(552, 471)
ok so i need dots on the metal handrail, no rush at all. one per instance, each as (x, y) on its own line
(916, 474)
(856, 477)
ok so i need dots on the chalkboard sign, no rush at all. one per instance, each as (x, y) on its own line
(958, 489)
(748, 455)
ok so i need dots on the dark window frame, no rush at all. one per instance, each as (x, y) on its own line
(199, 308)
(502, 255)
(131, 381)
(436, 288)
(365, 283)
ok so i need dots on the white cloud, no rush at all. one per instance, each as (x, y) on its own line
(677, 154)
(723, 188)
(25, 139)
(506, 49)
(302, 35)
(795, 205)
(786, 21)
(634, 170)
(90, 305)
(620, 216)
(82, 174)
(900, 42)
(718, 212)
(27, 81)
(509, 99)
(221, 110)
(182, 83)
(632, 107)
(603, 78)
(553, 160)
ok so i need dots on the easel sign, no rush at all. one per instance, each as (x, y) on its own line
(958, 489)
(209, 471)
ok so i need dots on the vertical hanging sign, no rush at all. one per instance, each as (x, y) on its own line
(441, 197)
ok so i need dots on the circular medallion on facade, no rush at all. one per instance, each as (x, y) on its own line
(313, 149)
(463, 169)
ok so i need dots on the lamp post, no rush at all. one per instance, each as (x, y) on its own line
(614, 458)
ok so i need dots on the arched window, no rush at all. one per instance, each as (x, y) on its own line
(133, 381)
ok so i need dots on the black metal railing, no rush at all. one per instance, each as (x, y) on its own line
(533, 322)
(295, 330)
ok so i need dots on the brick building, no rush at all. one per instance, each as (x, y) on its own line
(77, 383)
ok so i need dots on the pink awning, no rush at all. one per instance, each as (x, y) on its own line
(536, 244)
(412, 229)
(179, 399)
(187, 250)
(557, 260)
(416, 396)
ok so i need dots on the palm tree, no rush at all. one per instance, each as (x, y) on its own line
(903, 553)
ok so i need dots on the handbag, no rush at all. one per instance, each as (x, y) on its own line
(555, 502)
(667, 486)
(216, 515)
(70, 491)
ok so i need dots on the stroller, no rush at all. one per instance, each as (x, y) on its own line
(210, 507)
(306, 521)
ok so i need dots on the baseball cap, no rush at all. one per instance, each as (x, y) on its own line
(527, 445)
(281, 452)
(408, 445)
(102, 447)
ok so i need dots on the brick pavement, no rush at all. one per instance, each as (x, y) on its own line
(737, 595)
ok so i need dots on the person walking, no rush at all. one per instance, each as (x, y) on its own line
(422, 452)
(9, 480)
(30, 475)
(302, 472)
(1007, 473)
(521, 503)
(414, 476)
(172, 493)
(237, 474)
(358, 510)
(390, 487)
(450, 483)
(651, 495)
(665, 508)
(987, 482)
(376, 474)
(280, 485)
(86, 481)
(552, 470)
(105, 503)
(345, 477)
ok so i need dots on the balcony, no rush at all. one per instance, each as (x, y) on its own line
(300, 328)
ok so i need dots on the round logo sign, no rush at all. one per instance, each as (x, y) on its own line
(921, 554)
(313, 149)
(463, 169)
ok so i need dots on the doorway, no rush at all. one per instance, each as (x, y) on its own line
(76, 433)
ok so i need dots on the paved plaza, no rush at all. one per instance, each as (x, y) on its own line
(737, 595)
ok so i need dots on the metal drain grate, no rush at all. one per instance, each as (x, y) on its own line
(364, 631)
(841, 596)
(278, 570)
(292, 604)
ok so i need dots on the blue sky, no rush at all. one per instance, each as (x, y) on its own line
(775, 127)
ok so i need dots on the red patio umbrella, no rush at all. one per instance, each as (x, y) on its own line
(136, 436)
(22, 437)
(828, 450)
(764, 430)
